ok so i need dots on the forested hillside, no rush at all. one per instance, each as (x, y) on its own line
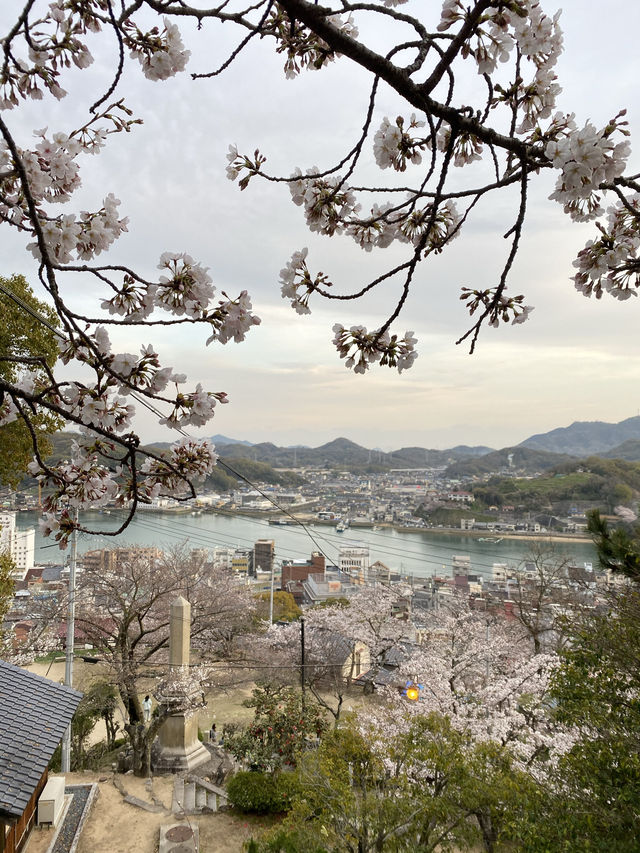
(605, 482)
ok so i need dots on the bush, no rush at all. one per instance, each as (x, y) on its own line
(261, 793)
(286, 840)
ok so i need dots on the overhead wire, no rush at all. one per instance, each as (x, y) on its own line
(389, 550)
(149, 520)
(21, 303)
(179, 529)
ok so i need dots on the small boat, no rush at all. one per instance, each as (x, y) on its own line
(341, 526)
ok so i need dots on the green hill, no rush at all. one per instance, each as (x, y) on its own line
(602, 482)
(519, 459)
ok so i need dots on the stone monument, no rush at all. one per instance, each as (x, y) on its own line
(177, 747)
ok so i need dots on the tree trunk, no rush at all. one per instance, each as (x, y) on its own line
(141, 748)
(141, 738)
(489, 834)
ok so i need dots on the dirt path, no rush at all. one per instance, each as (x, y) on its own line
(114, 826)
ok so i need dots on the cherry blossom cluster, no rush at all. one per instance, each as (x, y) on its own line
(327, 202)
(84, 481)
(587, 158)
(8, 411)
(361, 348)
(537, 37)
(87, 237)
(241, 163)
(125, 373)
(102, 470)
(187, 288)
(301, 47)
(52, 174)
(181, 691)
(186, 291)
(506, 309)
(331, 208)
(523, 22)
(187, 460)
(369, 618)
(297, 283)
(431, 229)
(610, 263)
(55, 41)
(393, 146)
(380, 230)
(161, 53)
(625, 514)
(195, 408)
(489, 686)
(493, 44)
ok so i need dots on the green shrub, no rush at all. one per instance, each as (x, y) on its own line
(286, 840)
(261, 793)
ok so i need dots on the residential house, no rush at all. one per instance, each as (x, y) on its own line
(34, 713)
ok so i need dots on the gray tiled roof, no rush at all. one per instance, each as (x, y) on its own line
(34, 712)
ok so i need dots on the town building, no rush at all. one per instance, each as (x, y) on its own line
(112, 559)
(263, 555)
(34, 713)
(19, 543)
(295, 572)
(354, 561)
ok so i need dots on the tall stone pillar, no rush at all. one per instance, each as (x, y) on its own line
(177, 747)
(179, 633)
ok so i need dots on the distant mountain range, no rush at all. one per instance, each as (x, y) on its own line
(222, 439)
(588, 438)
(540, 452)
(342, 451)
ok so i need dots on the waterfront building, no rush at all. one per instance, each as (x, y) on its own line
(223, 557)
(501, 572)
(111, 559)
(460, 564)
(354, 561)
(295, 572)
(263, 555)
(319, 588)
(242, 561)
(19, 543)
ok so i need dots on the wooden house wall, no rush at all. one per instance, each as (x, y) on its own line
(19, 831)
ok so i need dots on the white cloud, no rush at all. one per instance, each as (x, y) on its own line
(574, 359)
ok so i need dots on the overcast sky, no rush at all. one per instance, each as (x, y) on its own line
(574, 360)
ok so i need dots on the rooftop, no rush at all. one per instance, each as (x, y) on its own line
(34, 712)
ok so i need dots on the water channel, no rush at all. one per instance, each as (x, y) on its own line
(421, 553)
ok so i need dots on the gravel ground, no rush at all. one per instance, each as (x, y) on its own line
(66, 839)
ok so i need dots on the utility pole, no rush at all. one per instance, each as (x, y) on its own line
(302, 679)
(271, 595)
(71, 631)
(487, 657)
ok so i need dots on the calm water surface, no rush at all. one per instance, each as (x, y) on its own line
(421, 554)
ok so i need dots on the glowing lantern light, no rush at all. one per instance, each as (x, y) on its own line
(413, 692)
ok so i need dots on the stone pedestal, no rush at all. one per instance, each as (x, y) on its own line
(177, 747)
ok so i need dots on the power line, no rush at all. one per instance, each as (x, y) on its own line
(390, 551)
